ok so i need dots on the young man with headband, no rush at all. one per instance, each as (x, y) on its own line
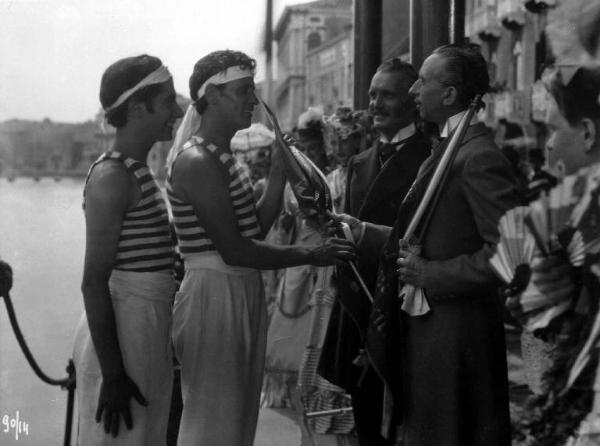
(122, 346)
(219, 317)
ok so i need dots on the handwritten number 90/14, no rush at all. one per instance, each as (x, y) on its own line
(16, 424)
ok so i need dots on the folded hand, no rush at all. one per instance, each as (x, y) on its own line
(411, 268)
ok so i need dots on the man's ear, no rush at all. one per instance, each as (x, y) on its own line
(450, 96)
(590, 134)
(136, 110)
(211, 94)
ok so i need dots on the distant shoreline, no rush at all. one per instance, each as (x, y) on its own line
(36, 175)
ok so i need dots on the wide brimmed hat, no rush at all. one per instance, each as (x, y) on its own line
(253, 137)
(344, 123)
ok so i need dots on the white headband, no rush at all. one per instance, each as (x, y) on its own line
(230, 74)
(158, 76)
(192, 119)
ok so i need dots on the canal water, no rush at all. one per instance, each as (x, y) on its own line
(42, 237)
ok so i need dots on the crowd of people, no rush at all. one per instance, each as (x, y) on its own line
(395, 334)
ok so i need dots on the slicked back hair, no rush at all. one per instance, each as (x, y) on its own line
(579, 98)
(212, 64)
(466, 70)
(397, 65)
(120, 77)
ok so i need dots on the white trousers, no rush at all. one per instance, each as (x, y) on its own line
(142, 307)
(219, 334)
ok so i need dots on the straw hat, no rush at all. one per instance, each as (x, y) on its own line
(253, 137)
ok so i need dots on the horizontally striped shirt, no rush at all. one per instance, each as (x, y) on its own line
(191, 236)
(145, 241)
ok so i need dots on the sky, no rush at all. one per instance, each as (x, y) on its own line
(53, 52)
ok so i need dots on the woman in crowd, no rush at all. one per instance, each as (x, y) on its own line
(346, 136)
(290, 319)
(301, 313)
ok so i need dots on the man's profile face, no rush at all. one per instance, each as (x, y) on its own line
(390, 105)
(428, 90)
(166, 112)
(238, 101)
(565, 144)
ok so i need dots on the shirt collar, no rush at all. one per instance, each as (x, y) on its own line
(403, 133)
(453, 121)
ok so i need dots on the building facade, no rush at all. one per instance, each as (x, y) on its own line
(315, 54)
(513, 40)
(300, 30)
(47, 148)
(329, 73)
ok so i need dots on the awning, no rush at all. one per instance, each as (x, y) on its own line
(511, 13)
(537, 6)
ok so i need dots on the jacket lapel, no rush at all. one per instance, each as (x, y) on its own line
(388, 180)
(419, 186)
(365, 170)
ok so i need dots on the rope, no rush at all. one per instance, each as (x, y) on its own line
(64, 383)
(67, 383)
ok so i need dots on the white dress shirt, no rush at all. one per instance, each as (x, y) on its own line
(402, 134)
(453, 121)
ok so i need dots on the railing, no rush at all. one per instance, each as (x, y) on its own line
(67, 383)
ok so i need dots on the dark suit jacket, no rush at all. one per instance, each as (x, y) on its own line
(452, 374)
(373, 194)
(462, 232)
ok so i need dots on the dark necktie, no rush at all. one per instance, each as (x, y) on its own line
(386, 150)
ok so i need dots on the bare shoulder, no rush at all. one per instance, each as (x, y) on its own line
(195, 170)
(194, 161)
(110, 181)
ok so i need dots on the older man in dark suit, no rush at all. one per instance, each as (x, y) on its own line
(447, 368)
(377, 182)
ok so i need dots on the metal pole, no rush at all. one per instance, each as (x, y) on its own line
(367, 48)
(70, 403)
(415, 34)
(330, 412)
(67, 383)
(457, 21)
(429, 27)
(268, 48)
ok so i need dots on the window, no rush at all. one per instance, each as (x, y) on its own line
(314, 40)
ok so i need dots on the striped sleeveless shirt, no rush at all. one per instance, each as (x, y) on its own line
(145, 242)
(192, 237)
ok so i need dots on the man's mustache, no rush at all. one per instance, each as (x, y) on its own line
(379, 112)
